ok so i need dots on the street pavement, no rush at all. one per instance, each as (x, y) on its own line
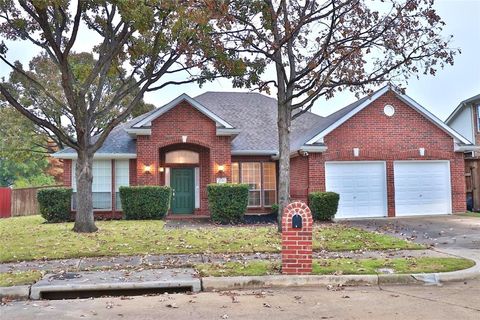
(449, 301)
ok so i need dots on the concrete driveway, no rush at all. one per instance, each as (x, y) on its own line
(444, 232)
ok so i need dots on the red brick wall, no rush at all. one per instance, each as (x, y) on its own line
(299, 178)
(389, 138)
(168, 130)
(67, 172)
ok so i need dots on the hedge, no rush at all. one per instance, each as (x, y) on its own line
(324, 205)
(55, 204)
(145, 202)
(227, 202)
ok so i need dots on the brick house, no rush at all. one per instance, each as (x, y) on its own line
(465, 119)
(385, 154)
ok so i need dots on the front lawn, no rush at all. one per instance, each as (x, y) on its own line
(471, 214)
(339, 266)
(19, 278)
(28, 238)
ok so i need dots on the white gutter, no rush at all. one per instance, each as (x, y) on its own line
(227, 131)
(314, 149)
(97, 156)
(465, 148)
(254, 152)
(142, 132)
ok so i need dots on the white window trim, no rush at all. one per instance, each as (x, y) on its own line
(197, 187)
(74, 188)
(262, 189)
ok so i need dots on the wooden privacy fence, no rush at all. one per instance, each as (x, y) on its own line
(472, 181)
(24, 201)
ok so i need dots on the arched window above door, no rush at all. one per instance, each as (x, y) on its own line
(182, 156)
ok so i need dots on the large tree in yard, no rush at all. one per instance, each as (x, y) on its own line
(319, 48)
(143, 45)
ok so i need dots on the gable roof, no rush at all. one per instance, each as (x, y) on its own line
(462, 105)
(338, 118)
(256, 116)
(147, 121)
(252, 117)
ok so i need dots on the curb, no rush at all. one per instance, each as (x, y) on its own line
(283, 281)
(15, 292)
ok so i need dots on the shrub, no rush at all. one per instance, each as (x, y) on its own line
(145, 202)
(324, 205)
(227, 202)
(55, 204)
(274, 208)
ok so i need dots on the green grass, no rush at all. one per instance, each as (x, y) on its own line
(339, 266)
(28, 238)
(471, 214)
(19, 278)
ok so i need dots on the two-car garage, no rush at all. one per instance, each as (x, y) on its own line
(420, 187)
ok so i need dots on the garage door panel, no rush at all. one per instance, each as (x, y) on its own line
(362, 188)
(422, 187)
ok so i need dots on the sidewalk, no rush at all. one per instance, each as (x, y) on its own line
(186, 260)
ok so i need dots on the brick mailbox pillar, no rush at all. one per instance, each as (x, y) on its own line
(297, 239)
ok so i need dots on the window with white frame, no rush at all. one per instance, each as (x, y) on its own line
(263, 187)
(269, 184)
(182, 156)
(235, 173)
(251, 175)
(101, 186)
(122, 179)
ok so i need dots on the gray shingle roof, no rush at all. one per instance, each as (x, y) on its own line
(256, 115)
(253, 113)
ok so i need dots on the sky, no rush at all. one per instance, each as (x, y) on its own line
(439, 94)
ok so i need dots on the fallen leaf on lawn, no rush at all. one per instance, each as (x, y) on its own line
(225, 316)
(266, 305)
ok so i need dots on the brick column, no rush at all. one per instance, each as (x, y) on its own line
(297, 242)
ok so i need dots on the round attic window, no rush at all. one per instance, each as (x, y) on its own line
(389, 110)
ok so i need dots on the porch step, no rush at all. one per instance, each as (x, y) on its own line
(186, 217)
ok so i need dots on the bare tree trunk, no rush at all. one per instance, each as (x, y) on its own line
(84, 221)
(284, 120)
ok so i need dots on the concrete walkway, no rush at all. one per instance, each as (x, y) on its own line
(186, 260)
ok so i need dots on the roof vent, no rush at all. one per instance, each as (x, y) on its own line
(389, 110)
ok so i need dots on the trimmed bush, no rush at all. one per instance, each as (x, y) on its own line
(227, 202)
(145, 202)
(274, 208)
(324, 205)
(55, 204)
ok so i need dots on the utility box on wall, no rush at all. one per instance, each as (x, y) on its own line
(297, 223)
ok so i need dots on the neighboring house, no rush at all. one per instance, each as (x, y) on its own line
(385, 154)
(465, 119)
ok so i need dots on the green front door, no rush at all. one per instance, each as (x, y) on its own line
(183, 189)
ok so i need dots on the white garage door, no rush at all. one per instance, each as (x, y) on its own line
(422, 187)
(362, 187)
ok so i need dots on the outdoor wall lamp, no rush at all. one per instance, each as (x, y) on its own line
(356, 152)
(221, 168)
(161, 169)
(147, 169)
